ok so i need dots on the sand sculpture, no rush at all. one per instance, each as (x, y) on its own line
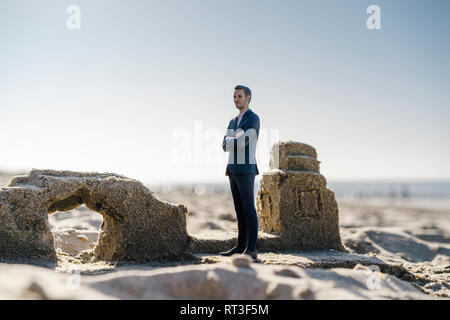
(136, 226)
(294, 202)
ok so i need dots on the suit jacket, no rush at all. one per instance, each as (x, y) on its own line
(242, 144)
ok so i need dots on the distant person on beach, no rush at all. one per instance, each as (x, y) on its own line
(240, 141)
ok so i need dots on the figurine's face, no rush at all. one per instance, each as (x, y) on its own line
(240, 100)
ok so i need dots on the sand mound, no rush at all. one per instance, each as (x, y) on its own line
(36, 283)
(393, 242)
(217, 281)
(428, 261)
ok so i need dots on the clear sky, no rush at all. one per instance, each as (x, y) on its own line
(145, 88)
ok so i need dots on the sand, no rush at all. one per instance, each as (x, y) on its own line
(394, 252)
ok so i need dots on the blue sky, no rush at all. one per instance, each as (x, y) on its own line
(113, 95)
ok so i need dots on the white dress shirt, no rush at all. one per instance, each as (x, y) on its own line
(240, 117)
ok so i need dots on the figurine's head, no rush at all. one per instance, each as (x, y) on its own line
(242, 97)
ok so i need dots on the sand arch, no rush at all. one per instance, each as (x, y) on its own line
(136, 225)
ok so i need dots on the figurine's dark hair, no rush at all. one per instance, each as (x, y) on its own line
(247, 91)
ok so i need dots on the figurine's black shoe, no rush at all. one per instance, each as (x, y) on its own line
(232, 251)
(253, 254)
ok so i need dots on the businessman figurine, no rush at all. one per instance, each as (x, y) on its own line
(240, 141)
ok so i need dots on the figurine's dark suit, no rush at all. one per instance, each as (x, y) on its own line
(241, 171)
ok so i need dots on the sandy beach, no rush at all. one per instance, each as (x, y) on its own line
(131, 130)
(393, 252)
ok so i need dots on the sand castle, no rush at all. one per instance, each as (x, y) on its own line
(136, 226)
(295, 211)
(294, 202)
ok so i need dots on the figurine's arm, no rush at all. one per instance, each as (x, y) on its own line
(240, 141)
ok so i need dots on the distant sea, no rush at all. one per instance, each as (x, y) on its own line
(424, 190)
(417, 194)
